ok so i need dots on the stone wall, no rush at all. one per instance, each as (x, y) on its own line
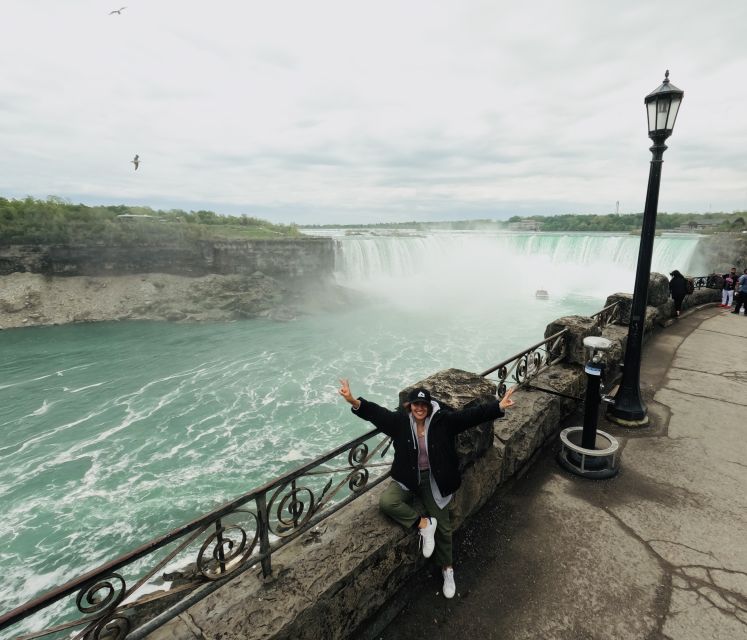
(660, 307)
(283, 258)
(332, 582)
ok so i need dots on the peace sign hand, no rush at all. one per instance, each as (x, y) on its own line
(345, 390)
(507, 401)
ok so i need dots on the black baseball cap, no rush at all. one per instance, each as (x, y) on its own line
(419, 394)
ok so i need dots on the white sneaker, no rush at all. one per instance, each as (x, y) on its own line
(449, 584)
(427, 537)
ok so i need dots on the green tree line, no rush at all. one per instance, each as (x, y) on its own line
(612, 222)
(633, 221)
(56, 221)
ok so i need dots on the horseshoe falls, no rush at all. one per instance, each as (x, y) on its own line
(514, 265)
(114, 433)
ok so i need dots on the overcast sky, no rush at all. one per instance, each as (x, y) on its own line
(367, 111)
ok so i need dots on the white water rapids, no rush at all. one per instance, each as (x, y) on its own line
(112, 434)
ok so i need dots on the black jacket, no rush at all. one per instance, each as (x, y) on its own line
(678, 287)
(443, 428)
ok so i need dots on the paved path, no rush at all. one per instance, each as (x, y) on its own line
(660, 552)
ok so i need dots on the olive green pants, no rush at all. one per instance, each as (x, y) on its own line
(407, 507)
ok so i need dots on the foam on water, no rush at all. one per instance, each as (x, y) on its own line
(115, 433)
(41, 410)
(88, 386)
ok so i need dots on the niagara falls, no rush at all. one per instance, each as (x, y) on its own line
(117, 431)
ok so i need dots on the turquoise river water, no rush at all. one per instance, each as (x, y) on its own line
(114, 433)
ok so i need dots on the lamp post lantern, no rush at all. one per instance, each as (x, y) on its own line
(662, 106)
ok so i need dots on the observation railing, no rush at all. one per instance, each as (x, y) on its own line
(607, 315)
(528, 364)
(222, 544)
(238, 535)
(711, 281)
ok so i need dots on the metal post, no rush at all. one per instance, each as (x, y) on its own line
(591, 406)
(263, 522)
(629, 408)
(294, 504)
(219, 542)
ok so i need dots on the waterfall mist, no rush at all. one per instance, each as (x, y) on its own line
(468, 268)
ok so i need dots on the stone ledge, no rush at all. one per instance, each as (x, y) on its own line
(332, 580)
(579, 327)
(660, 306)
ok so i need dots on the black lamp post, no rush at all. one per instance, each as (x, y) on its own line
(662, 106)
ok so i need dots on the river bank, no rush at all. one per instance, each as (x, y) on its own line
(32, 299)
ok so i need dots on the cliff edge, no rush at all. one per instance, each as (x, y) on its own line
(29, 299)
(205, 281)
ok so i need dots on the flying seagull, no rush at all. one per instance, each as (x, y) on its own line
(118, 11)
(136, 161)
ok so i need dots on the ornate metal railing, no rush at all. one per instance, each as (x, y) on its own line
(709, 282)
(529, 363)
(608, 315)
(238, 535)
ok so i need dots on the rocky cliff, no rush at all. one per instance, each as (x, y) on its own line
(725, 250)
(208, 281)
(282, 258)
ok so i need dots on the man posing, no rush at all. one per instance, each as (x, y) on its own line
(727, 293)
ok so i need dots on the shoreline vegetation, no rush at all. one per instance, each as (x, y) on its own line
(32, 221)
(55, 221)
(591, 223)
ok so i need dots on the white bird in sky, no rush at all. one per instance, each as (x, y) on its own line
(118, 11)
(136, 161)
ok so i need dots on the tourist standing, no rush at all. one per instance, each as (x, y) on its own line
(727, 293)
(741, 296)
(425, 470)
(678, 290)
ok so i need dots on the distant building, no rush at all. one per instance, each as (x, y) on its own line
(525, 225)
(694, 226)
(134, 216)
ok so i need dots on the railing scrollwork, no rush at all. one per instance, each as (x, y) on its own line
(529, 363)
(226, 547)
(238, 535)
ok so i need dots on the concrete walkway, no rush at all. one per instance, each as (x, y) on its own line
(659, 552)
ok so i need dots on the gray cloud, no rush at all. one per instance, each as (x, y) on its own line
(386, 111)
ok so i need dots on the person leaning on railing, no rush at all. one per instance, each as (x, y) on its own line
(425, 469)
